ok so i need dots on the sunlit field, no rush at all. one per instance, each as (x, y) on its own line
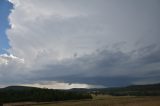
(103, 100)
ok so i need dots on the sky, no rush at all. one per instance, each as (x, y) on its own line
(5, 8)
(63, 44)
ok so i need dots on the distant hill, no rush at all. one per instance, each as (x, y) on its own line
(24, 94)
(130, 87)
(18, 88)
(136, 90)
(144, 87)
(133, 90)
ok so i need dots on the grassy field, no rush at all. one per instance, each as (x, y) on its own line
(104, 100)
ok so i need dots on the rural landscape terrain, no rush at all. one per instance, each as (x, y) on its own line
(135, 95)
(104, 100)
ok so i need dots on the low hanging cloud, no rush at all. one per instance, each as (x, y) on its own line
(85, 42)
(60, 85)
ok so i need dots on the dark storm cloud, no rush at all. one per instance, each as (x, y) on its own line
(108, 68)
(78, 42)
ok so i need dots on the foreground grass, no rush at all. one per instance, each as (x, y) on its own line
(104, 100)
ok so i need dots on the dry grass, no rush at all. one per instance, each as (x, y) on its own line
(103, 100)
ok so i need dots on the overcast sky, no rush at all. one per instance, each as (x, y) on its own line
(82, 43)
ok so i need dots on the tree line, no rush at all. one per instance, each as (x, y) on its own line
(39, 95)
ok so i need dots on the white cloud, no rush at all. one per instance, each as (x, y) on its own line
(6, 59)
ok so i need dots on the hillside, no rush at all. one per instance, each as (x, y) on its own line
(133, 90)
(17, 88)
(22, 94)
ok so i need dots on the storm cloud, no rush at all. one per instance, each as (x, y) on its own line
(94, 42)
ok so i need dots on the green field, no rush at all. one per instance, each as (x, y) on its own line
(104, 100)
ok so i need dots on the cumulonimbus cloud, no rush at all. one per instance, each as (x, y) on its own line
(86, 42)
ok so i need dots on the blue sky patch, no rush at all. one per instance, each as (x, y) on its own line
(5, 8)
